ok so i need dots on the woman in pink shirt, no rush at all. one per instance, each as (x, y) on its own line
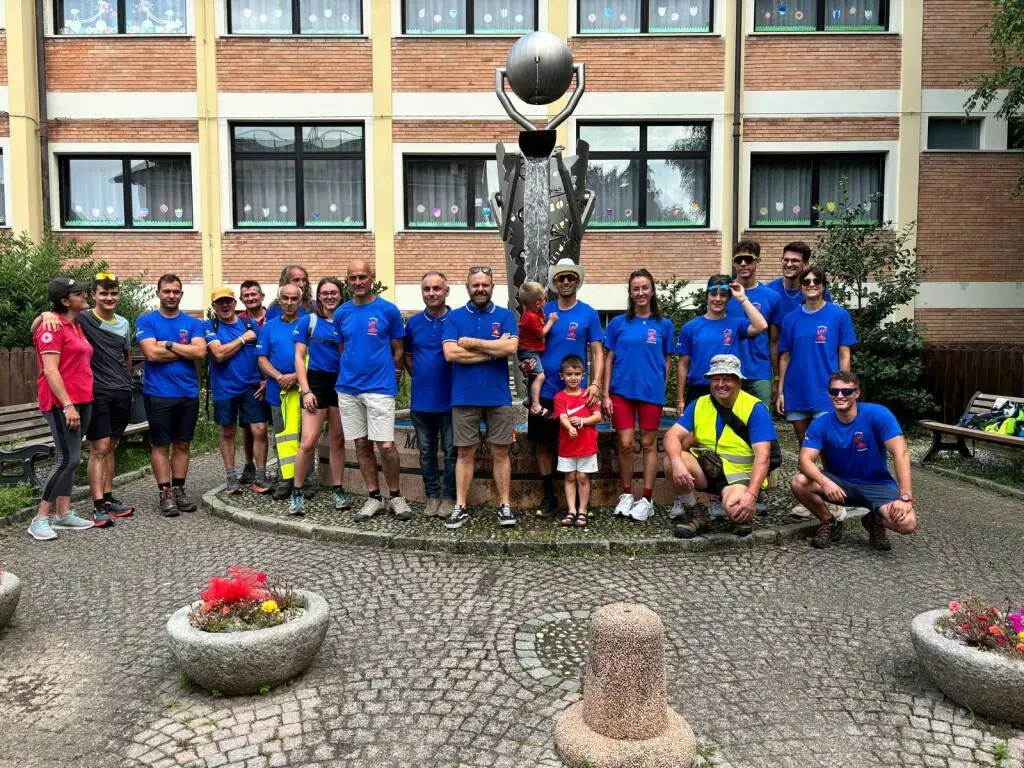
(64, 385)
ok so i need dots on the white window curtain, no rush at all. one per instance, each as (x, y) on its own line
(615, 186)
(609, 16)
(436, 193)
(161, 192)
(503, 17)
(95, 195)
(679, 15)
(677, 194)
(332, 192)
(265, 192)
(155, 17)
(780, 191)
(785, 15)
(848, 14)
(435, 17)
(89, 17)
(260, 17)
(863, 180)
(330, 17)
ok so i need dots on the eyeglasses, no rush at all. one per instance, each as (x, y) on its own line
(744, 258)
(568, 277)
(480, 268)
(810, 281)
(106, 276)
(330, 295)
(844, 391)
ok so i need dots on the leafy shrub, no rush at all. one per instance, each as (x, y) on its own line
(680, 306)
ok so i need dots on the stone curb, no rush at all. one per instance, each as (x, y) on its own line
(980, 482)
(80, 492)
(512, 547)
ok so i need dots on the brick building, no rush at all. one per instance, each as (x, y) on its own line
(223, 138)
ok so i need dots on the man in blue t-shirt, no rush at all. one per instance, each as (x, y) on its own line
(237, 389)
(431, 406)
(758, 355)
(576, 331)
(173, 345)
(796, 257)
(370, 334)
(478, 339)
(852, 441)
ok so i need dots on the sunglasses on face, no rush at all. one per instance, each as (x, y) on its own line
(744, 258)
(810, 281)
(478, 269)
(844, 391)
(567, 278)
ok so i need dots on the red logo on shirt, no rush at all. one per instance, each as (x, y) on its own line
(727, 336)
(821, 337)
(183, 336)
(496, 330)
(652, 336)
(571, 332)
(858, 441)
(371, 326)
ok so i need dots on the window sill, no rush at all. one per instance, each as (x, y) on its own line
(125, 230)
(278, 230)
(826, 33)
(126, 36)
(459, 36)
(491, 231)
(702, 228)
(290, 36)
(641, 35)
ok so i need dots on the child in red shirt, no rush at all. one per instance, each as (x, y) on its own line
(577, 439)
(533, 327)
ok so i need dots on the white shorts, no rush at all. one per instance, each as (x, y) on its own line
(585, 464)
(369, 414)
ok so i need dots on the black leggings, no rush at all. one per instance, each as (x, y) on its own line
(68, 444)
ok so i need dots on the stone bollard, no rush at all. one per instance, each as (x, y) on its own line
(624, 720)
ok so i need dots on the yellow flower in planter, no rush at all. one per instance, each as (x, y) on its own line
(269, 606)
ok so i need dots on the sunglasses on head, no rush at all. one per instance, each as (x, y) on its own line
(744, 258)
(480, 268)
(719, 288)
(844, 391)
(810, 281)
(106, 276)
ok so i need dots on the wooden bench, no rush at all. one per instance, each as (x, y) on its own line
(980, 402)
(25, 440)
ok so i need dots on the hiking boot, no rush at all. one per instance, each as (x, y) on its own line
(233, 486)
(401, 508)
(341, 501)
(715, 508)
(694, 523)
(622, 507)
(800, 512)
(370, 508)
(829, 532)
(878, 536)
(117, 508)
(458, 518)
(282, 491)
(432, 507)
(71, 522)
(548, 506)
(678, 510)
(41, 530)
(505, 516)
(181, 499)
(167, 506)
(261, 486)
(297, 505)
(248, 475)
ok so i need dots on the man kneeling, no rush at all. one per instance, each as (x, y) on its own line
(852, 441)
(721, 445)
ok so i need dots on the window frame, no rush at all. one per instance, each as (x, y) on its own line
(296, 26)
(122, 22)
(297, 155)
(884, 17)
(815, 158)
(978, 121)
(64, 196)
(645, 23)
(473, 159)
(1015, 134)
(642, 155)
(470, 22)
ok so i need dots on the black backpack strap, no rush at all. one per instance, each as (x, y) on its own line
(732, 420)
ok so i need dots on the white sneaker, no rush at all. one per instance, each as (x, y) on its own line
(838, 511)
(641, 510)
(678, 509)
(625, 502)
(801, 512)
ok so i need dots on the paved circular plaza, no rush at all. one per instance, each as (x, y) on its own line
(777, 655)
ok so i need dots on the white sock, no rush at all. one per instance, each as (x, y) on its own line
(689, 499)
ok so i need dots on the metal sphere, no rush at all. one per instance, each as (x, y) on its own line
(539, 68)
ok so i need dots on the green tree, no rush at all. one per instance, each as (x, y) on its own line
(680, 306)
(26, 266)
(872, 271)
(1006, 41)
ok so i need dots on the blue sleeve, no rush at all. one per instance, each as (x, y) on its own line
(397, 327)
(594, 330)
(785, 335)
(884, 423)
(847, 336)
(196, 329)
(612, 333)
(743, 330)
(449, 329)
(684, 345)
(762, 430)
(668, 333)
(208, 332)
(409, 342)
(143, 329)
(686, 420)
(508, 324)
(262, 342)
(815, 437)
(301, 333)
(338, 322)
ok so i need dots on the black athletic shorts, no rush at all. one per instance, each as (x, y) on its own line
(543, 431)
(171, 419)
(110, 414)
(321, 384)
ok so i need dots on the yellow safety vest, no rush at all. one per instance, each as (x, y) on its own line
(737, 457)
(288, 438)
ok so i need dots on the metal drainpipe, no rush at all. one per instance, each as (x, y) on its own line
(44, 141)
(737, 121)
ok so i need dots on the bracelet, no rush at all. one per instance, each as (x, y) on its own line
(305, 392)
(69, 405)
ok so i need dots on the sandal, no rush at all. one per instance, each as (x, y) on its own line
(581, 520)
(570, 519)
(691, 528)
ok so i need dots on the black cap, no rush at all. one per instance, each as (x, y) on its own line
(62, 287)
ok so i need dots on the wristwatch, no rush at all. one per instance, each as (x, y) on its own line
(906, 497)
(168, 345)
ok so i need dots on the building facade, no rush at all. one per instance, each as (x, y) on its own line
(221, 139)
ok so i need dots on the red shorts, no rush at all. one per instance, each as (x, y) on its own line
(625, 413)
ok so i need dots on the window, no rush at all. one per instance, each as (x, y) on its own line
(449, 192)
(113, 191)
(649, 174)
(1015, 133)
(788, 190)
(616, 17)
(298, 175)
(120, 17)
(821, 15)
(294, 17)
(469, 17)
(953, 133)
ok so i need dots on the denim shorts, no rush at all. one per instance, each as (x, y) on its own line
(868, 495)
(241, 409)
(529, 354)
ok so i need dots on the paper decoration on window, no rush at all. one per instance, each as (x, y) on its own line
(868, 13)
(783, 9)
(454, 210)
(328, 12)
(247, 208)
(333, 207)
(110, 210)
(420, 208)
(763, 210)
(519, 18)
(437, 18)
(265, 212)
(488, 18)
(263, 18)
(486, 211)
(837, 14)
(592, 18)
(608, 12)
(629, 213)
(478, 201)
(676, 213)
(313, 18)
(421, 12)
(78, 209)
(179, 212)
(779, 205)
(662, 10)
(695, 207)
(504, 13)
(830, 206)
(694, 10)
(278, 13)
(246, 12)
(767, 15)
(853, 10)
(282, 208)
(622, 17)
(144, 213)
(316, 215)
(95, 213)
(608, 213)
(799, 15)
(453, 12)
(437, 213)
(674, 17)
(796, 210)
(164, 208)
(347, 220)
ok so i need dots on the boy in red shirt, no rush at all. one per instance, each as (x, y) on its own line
(533, 327)
(577, 439)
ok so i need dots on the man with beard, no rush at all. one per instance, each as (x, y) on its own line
(251, 294)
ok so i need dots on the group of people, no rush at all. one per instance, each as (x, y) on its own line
(310, 357)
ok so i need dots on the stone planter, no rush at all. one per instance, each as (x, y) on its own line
(10, 592)
(236, 663)
(986, 683)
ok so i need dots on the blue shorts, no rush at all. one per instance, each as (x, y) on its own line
(803, 415)
(868, 495)
(529, 354)
(241, 409)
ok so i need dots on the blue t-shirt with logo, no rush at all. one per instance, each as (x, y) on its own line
(855, 451)
(366, 332)
(813, 340)
(762, 430)
(701, 339)
(431, 373)
(572, 334)
(175, 378)
(321, 345)
(239, 372)
(790, 300)
(640, 346)
(755, 352)
(486, 383)
(277, 345)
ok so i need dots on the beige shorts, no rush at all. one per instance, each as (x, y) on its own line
(585, 464)
(367, 415)
(466, 424)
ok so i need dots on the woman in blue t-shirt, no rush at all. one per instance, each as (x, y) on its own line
(316, 364)
(814, 343)
(638, 346)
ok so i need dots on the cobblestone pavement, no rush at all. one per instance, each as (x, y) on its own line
(777, 656)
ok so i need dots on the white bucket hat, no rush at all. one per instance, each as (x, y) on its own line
(724, 365)
(561, 267)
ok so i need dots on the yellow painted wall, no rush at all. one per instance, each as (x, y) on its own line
(25, 185)
(382, 162)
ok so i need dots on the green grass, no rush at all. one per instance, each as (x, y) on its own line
(16, 497)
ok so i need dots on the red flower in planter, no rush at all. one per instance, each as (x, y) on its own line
(241, 585)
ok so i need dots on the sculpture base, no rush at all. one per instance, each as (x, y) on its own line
(576, 742)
